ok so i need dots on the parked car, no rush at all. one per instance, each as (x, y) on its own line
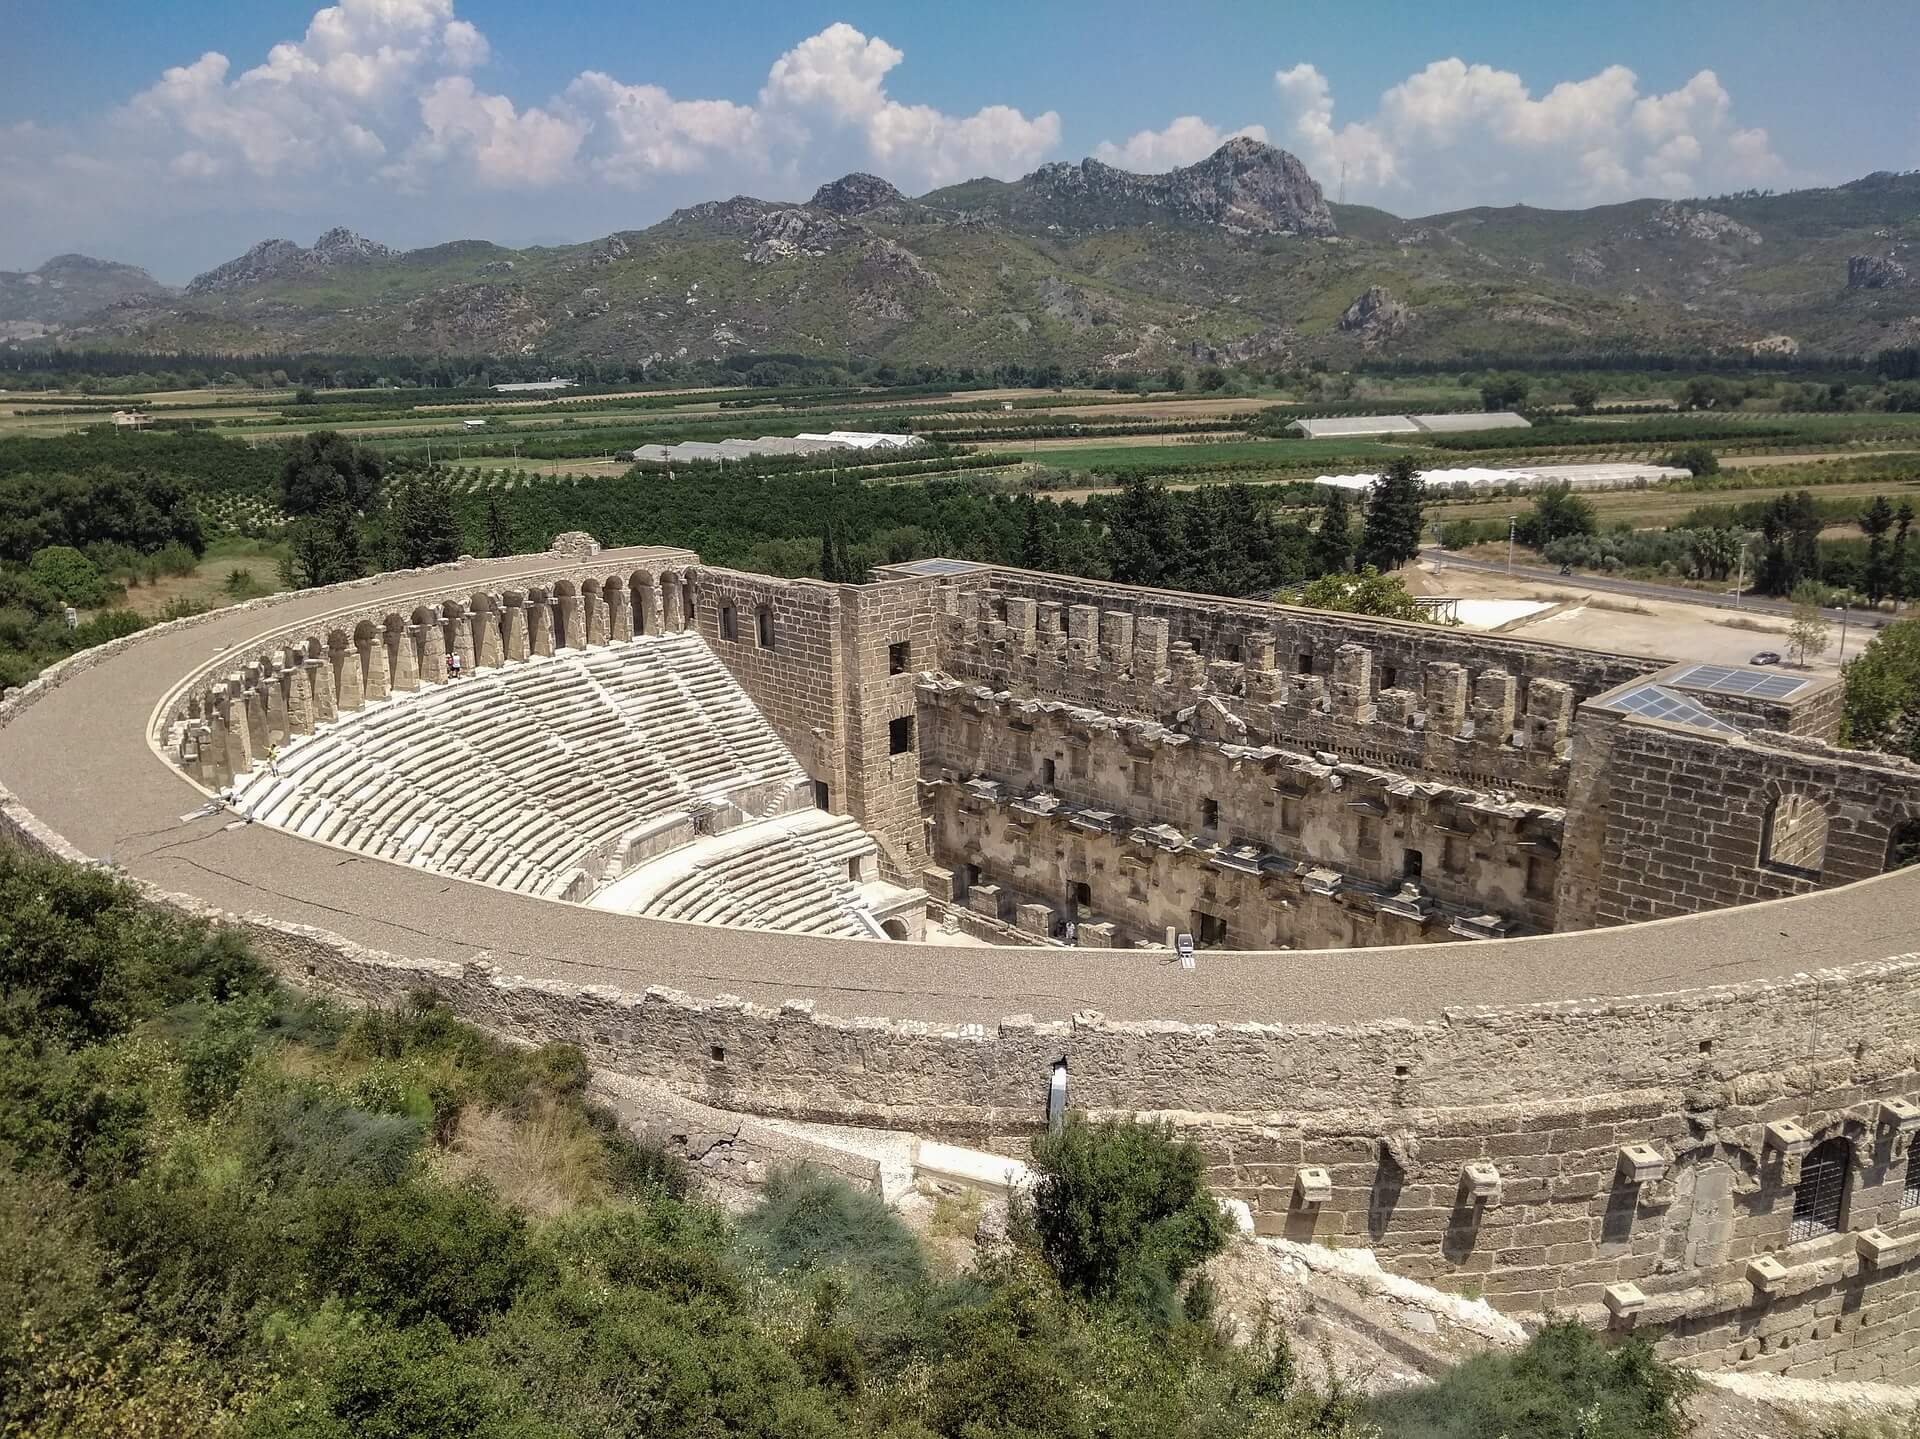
(1766, 657)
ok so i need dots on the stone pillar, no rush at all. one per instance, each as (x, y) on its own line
(1492, 708)
(656, 607)
(1116, 638)
(433, 653)
(1446, 697)
(278, 725)
(353, 680)
(672, 608)
(1353, 683)
(540, 618)
(406, 660)
(1083, 634)
(239, 740)
(517, 644)
(1259, 651)
(596, 619)
(379, 675)
(1021, 616)
(573, 621)
(1549, 714)
(299, 700)
(462, 625)
(216, 763)
(320, 682)
(1149, 649)
(619, 613)
(489, 657)
(259, 732)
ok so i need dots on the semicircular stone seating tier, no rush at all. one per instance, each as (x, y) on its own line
(572, 751)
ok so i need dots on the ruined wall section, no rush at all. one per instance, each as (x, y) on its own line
(1268, 674)
(1272, 846)
(831, 666)
(1676, 820)
(782, 640)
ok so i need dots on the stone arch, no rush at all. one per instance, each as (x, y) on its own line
(646, 603)
(896, 928)
(1903, 843)
(1793, 834)
(1826, 1183)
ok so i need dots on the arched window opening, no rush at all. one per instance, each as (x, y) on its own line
(1820, 1199)
(1794, 837)
(1903, 844)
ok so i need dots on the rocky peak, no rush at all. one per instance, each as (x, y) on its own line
(784, 234)
(739, 215)
(1375, 315)
(855, 194)
(1692, 224)
(341, 246)
(1875, 272)
(1245, 186)
(277, 259)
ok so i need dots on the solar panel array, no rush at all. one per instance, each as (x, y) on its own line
(1654, 702)
(1725, 681)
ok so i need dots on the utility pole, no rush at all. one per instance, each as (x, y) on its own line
(1512, 522)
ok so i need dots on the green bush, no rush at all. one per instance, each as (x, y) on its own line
(69, 575)
(1121, 1211)
(1566, 1384)
(808, 1221)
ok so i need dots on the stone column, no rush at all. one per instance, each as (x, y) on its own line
(353, 684)
(433, 653)
(379, 673)
(259, 733)
(1492, 707)
(406, 667)
(596, 609)
(278, 724)
(1353, 683)
(619, 613)
(1446, 697)
(299, 700)
(1149, 649)
(573, 619)
(462, 625)
(541, 621)
(1021, 621)
(320, 681)
(657, 607)
(216, 762)
(517, 647)
(490, 657)
(1116, 638)
(239, 740)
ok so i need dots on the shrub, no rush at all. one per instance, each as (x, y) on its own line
(68, 574)
(809, 1221)
(1121, 1210)
(1695, 459)
(1565, 1384)
(105, 626)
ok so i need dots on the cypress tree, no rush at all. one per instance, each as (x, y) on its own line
(1394, 517)
(1331, 552)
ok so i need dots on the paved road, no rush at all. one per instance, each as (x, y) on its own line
(1644, 589)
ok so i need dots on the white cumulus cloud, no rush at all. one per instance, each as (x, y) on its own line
(1186, 139)
(1455, 134)
(644, 131)
(838, 78)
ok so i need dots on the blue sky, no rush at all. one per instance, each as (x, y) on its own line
(174, 135)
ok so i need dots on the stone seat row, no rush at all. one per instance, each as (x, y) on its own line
(791, 874)
(517, 776)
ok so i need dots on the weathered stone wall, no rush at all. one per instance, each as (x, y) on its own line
(1281, 848)
(1667, 820)
(1419, 699)
(827, 683)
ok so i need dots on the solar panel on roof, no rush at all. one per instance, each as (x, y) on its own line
(940, 567)
(1654, 702)
(1722, 680)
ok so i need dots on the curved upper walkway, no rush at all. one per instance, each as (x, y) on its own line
(80, 759)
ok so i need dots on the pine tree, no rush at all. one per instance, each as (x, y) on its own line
(499, 538)
(1874, 524)
(1395, 517)
(828, 570)
(1143, 540)
(1332, 550)
(422, 529)
(1902, 521)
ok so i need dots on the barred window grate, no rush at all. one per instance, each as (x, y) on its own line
(1910, 1194)
(1820, 1198)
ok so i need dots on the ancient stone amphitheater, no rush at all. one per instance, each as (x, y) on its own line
(1576, 980)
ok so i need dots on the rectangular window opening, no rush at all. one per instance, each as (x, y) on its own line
(899, 656)
(729, 623)
(1411, 863)
(900, 735)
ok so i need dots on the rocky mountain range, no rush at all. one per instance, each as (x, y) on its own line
(1236, 257)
